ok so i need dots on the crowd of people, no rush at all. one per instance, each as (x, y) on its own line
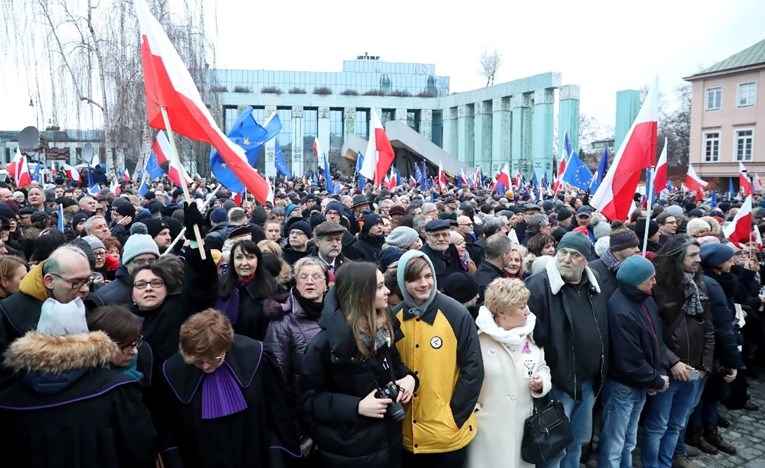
(376, 328)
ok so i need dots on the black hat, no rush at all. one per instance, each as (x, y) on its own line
(301, 226)
(154, 206)
(27, 210)
(360, 200)
(437, 225)
(460, 286)
(6, 211)
(564, 214)
(154, 226)
(126, 210)
(584, 211)
(531, 207)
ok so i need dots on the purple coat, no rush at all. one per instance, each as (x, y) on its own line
(287, 337)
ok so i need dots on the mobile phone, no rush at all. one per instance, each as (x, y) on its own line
(694, 374)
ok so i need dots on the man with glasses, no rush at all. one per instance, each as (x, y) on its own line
(64, 277)
(442, 254)
(667, 226)
(140, 249)
(465, 228)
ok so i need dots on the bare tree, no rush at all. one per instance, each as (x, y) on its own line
(489, 65)
(675, 125)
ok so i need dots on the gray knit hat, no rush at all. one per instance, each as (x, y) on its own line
(139, 243)
(402, 237)
(94, 242)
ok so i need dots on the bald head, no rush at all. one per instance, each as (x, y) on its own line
(66, 274)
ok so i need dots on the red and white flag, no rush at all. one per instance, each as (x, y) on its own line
(441, 177)
(637, 152)
(162, 150)
(743, 180)
(19, 170)
(379, 155)
(115, 187)
(504, 176)
(169, 86)
(660, 174)
(72, 173)
(694, 183)
(756, 183)
(739, 231)
(558, 184)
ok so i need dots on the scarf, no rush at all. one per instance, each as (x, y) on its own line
(512, 338)
(692, 302)
(230, 305)
(312, 309)
(221, 394)
(610, 261)
(382, 338)
(131, 370)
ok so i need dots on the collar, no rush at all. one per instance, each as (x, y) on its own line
(556, 281)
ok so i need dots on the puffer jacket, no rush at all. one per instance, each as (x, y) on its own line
(286, 339)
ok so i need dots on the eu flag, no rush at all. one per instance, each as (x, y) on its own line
(281, 163)
(327, 174)
(152, 167)
(359, 164)
(577, 173)
(60, 222)
(143, 189)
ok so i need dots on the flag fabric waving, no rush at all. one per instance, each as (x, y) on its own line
(695, 183)
(169, 87)
(60, 221)
(441, 177)
(324, 166)
(638, 152)
(280, 162)
(357, 171)
(601, 171)
(744, 183)
(72, 173)
(162, 151)
(660, 175)
(739, 231)
(379, 155)
(577, 173)
(504, 176)
(756, 183)
(19, 170)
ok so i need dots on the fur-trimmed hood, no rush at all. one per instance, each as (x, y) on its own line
(36, 352)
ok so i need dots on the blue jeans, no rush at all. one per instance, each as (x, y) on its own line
(579, 413)
(665, 416)
(680, 447)
(622, 405)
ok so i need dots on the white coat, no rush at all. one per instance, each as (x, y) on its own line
(510, 358)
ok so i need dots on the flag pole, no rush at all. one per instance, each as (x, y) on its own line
(202, 209)
(177, 163)
(649, 205)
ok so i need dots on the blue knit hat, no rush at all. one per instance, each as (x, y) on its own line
(714, 255)
(219, 215)
(635, 270)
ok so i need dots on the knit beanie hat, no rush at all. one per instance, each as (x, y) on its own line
(94, 242)
(335, 206)
(635, 270)
(601, 229)
(675, 210)
(126, 209)
(653, 228)
(138, 243)
(290, 208)
(576, 241)
(402, 237)
(218, 215)
(154, 226)
(301, 226)
(389, 256)
(623, 239)
(78, 218)
(564, 213)
(460, 286)
(714, 255)
(369, 220)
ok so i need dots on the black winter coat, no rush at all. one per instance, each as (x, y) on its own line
(726, 354)
(256, 437)
(287, 338)
(368, 248)
(119, 291)
(335, 379)
(484, 275)
(445, 264)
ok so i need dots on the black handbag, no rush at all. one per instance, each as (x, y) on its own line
(545, 433)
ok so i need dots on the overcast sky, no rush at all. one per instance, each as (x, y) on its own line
(602, 46)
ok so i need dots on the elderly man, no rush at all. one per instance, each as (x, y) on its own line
(98, 227)
(300, 234)
(36, 199)
(87, 204)
(63, 277)
(430, 210)
(335, 212)
(536, 224)
(497, 255)
(572, 326)
(328, 240)
(441, 253)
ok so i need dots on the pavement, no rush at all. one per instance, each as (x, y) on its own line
(746, 433)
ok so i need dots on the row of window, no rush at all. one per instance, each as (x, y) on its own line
(747, 96)
(743, 145)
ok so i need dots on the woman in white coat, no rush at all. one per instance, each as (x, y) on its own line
(515, 373)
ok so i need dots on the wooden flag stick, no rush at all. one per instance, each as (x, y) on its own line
(202, 209)
(176, 161)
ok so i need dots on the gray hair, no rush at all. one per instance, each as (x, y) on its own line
(89, 222)
(419, 222)
(53, 262)
(497, 245)
(492, 224)
(236, 216)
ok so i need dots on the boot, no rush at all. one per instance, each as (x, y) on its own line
(722, 422)
(682, 461)
(693, 437)
(714, 438)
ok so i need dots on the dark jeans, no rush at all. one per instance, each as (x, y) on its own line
(456, 459)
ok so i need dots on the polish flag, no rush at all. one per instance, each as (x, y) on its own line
(743, 180)
(739, 231)
(19, 170)
(441, 176)
(660, 175)
(163, 150)
(115, 187)
(756, 184)
(504, 176)
(558, 184)
(125, 175)
(170, 88)
(695, 183)
(72, 173)
(379, 155)
(615, 193)
(517, 178)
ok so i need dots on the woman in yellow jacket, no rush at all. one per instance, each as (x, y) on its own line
(515, 373)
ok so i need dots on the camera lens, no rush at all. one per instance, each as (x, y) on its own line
(396, 412)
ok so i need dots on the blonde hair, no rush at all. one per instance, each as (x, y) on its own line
(505, 294)
(205, 335)
(523, 252)
(270, 246)
(455, 237)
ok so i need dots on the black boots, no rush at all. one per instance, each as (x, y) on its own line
(714, 438)
(693, 437)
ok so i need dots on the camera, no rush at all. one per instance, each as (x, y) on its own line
(395, 411)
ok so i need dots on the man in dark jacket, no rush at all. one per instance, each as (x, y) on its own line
(497, 259)
(441, 253)
(637, 364)
(623, 243)
(572, 326)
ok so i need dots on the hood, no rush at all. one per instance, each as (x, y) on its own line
(276, 307)
(402, 262)
(33, 285)
(512, 338)
(285, 274)
(36, 352)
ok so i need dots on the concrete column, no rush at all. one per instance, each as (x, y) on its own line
(627, 108)
(450, 130)
(270, 149)
(298, 170)
(482, 134)
(323, 131)
(520, 149)
(349, 118)
(542, 132)
(465, 134)
(426, 124)
(568, 118)
(500, 136)
(400, 114)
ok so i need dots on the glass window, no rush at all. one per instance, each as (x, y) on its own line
(362, 123)
(747, 94)
(336, 132)
(744, 144)
(714, 97)
(285, 135)
(711, 146)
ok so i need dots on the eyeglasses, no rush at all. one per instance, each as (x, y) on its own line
(76, 283)
(467, 224)
(315, 277)
(141, 262)
(212, 362)
(129, 347)
(99, 253)
(155, 284)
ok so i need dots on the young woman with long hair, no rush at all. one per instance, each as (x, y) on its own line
(354, 382)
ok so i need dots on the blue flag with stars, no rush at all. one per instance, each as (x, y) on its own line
(357, 172)
(577, 173)
(281, 163)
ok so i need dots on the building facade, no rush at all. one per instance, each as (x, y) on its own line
(727, 117)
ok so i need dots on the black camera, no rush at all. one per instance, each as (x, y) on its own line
(395, 411)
